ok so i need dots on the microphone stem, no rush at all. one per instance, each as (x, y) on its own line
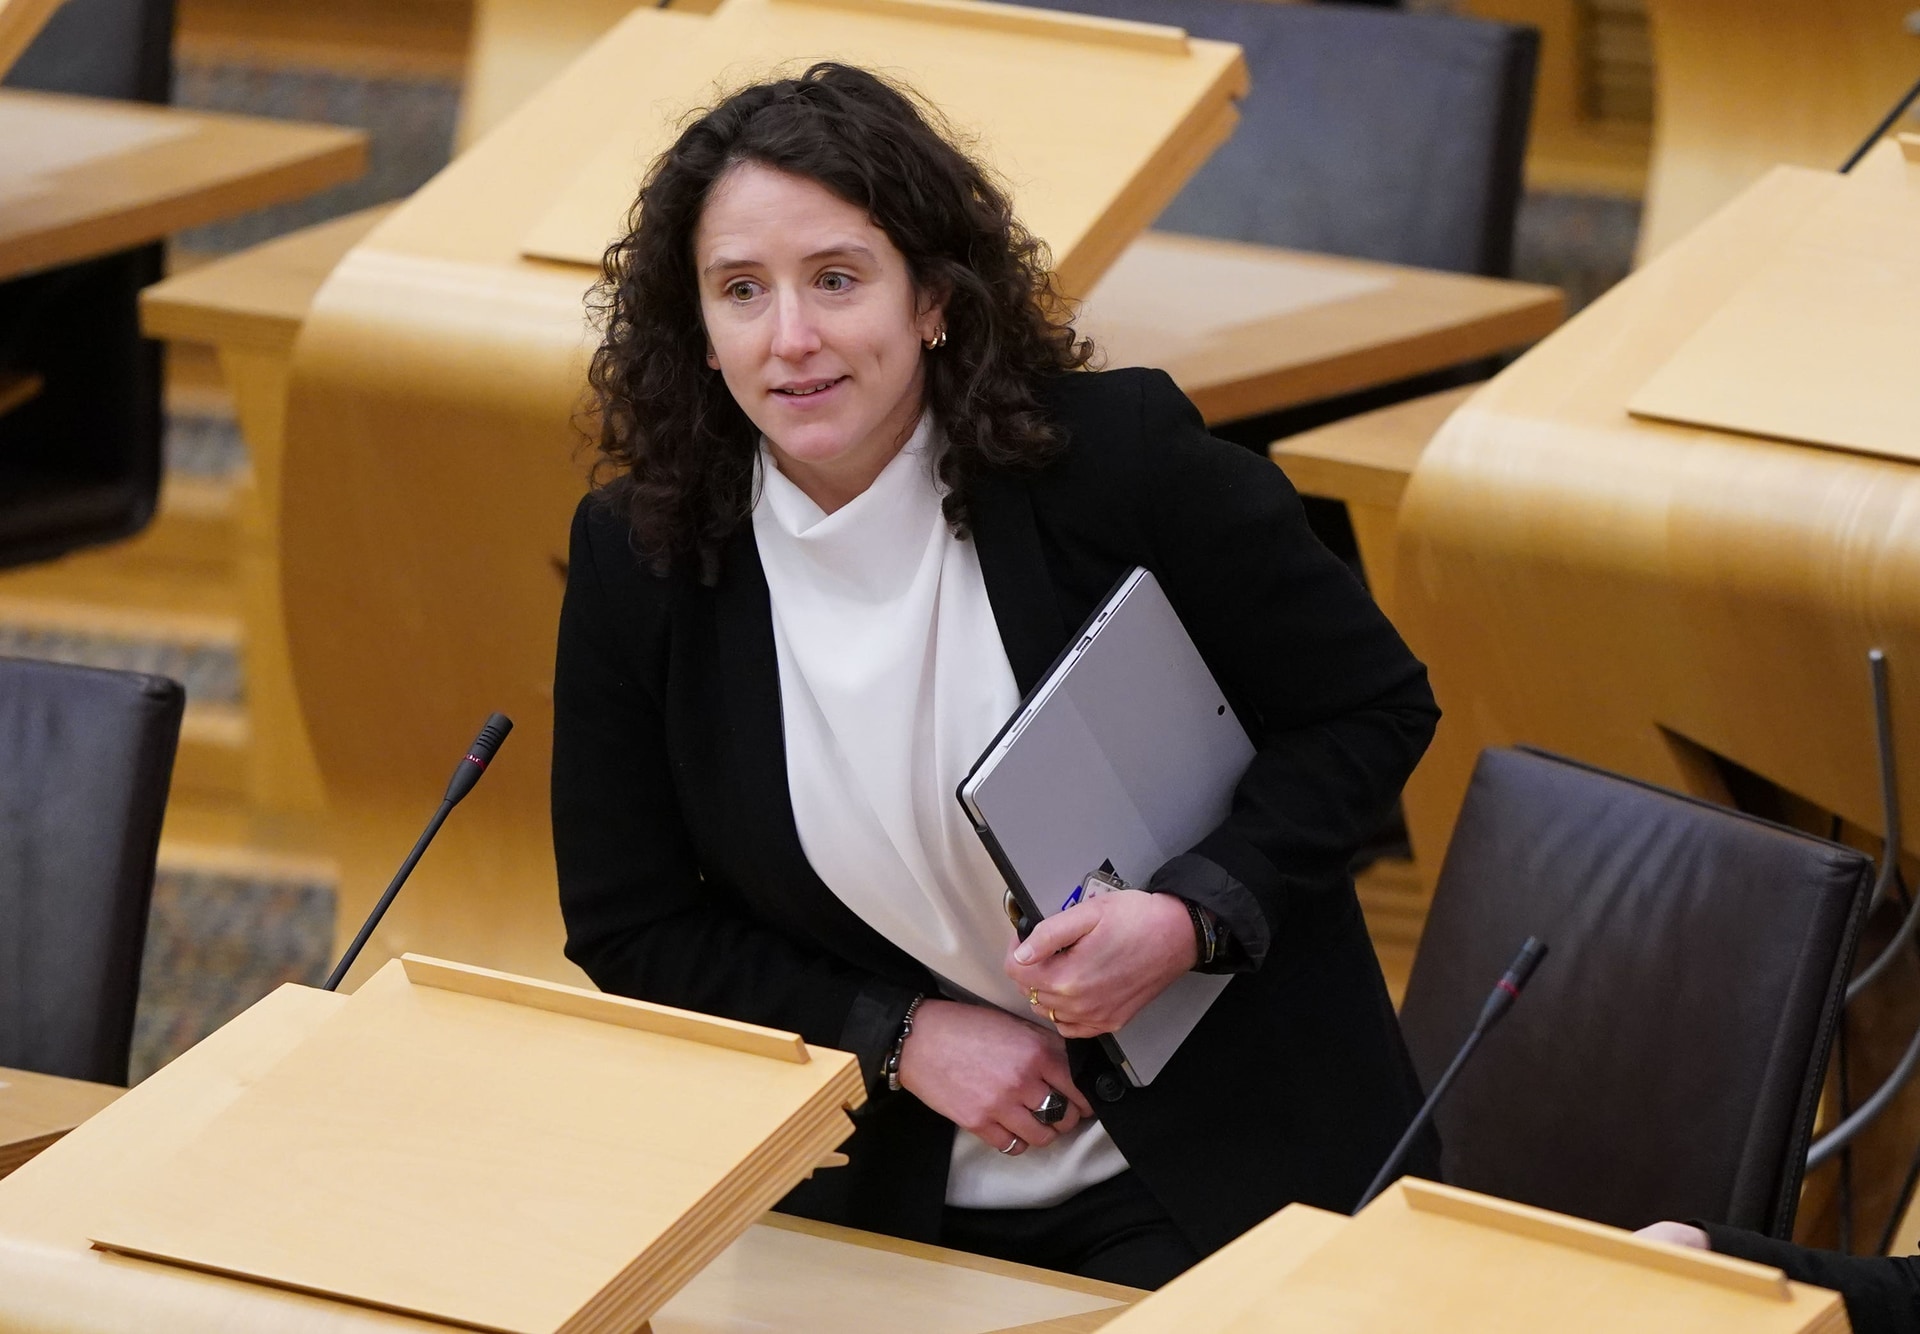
(386, 899)
(1400, 1150)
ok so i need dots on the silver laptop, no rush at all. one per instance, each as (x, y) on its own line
(1126, 755)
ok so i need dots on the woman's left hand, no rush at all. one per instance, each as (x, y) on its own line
(1091, 968)
(1676, 1234)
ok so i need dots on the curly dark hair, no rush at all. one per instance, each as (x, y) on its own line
(675, 451)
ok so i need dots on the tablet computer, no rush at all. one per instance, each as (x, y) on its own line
(1125, 755)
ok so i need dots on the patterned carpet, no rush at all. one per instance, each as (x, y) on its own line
(409, 124)
(204, 445)
(210, 673)
(217, 943)
(1582, 244)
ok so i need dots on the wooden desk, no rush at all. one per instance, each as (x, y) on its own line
(1246, 329)
(1630, 591)
(256, 300)
(85, 176)
(36, 1110)
(1367, 460)
(1436, 1258)
(786, 1274)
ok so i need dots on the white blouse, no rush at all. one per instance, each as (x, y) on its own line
(892, 681)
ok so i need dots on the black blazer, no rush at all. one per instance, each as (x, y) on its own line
(1882, 1292)
(682, 878)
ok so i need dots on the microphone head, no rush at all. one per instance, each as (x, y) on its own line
(491, 735)
(1531, 953)
(475, 761)
(1507, 990)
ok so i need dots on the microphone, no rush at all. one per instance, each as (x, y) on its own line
(465, 775)
(468, 771)
(1505, 992)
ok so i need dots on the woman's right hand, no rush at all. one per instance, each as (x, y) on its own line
(986, 1071)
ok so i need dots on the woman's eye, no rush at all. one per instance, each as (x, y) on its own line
(835, 282)
(740, 290)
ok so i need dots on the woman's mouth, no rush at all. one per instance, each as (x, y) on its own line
(807, 389)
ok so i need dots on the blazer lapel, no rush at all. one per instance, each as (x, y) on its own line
(1014, 567)
(749, 671)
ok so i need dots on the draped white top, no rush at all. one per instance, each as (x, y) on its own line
(892, 681)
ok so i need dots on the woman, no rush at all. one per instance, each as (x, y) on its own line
(859, 495)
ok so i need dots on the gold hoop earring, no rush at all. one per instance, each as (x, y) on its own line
(938, 341)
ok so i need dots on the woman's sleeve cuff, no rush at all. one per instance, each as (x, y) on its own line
(1204, 882)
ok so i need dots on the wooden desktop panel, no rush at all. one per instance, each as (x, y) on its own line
(36, 1110)
(790, 1274)
(87, 176)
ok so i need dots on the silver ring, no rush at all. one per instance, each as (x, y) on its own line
(1052, 1108)
(1012, 1144)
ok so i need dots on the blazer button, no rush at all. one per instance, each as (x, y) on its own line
(1109, 1087)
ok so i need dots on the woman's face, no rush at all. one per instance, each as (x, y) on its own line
(813, 321)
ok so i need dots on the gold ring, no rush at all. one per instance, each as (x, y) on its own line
(1052, 1016)
(1033, 997)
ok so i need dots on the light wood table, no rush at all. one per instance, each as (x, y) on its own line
(36, 1110)
(785, 1274)
(84, 176)
(1246, 329)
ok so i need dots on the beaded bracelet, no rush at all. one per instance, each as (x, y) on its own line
(900, 1045)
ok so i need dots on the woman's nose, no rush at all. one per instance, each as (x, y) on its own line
(795, 334)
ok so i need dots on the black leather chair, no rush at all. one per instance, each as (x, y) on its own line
(80, 462)
(1367, 132)
(1667, 1058)
(85, 759)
